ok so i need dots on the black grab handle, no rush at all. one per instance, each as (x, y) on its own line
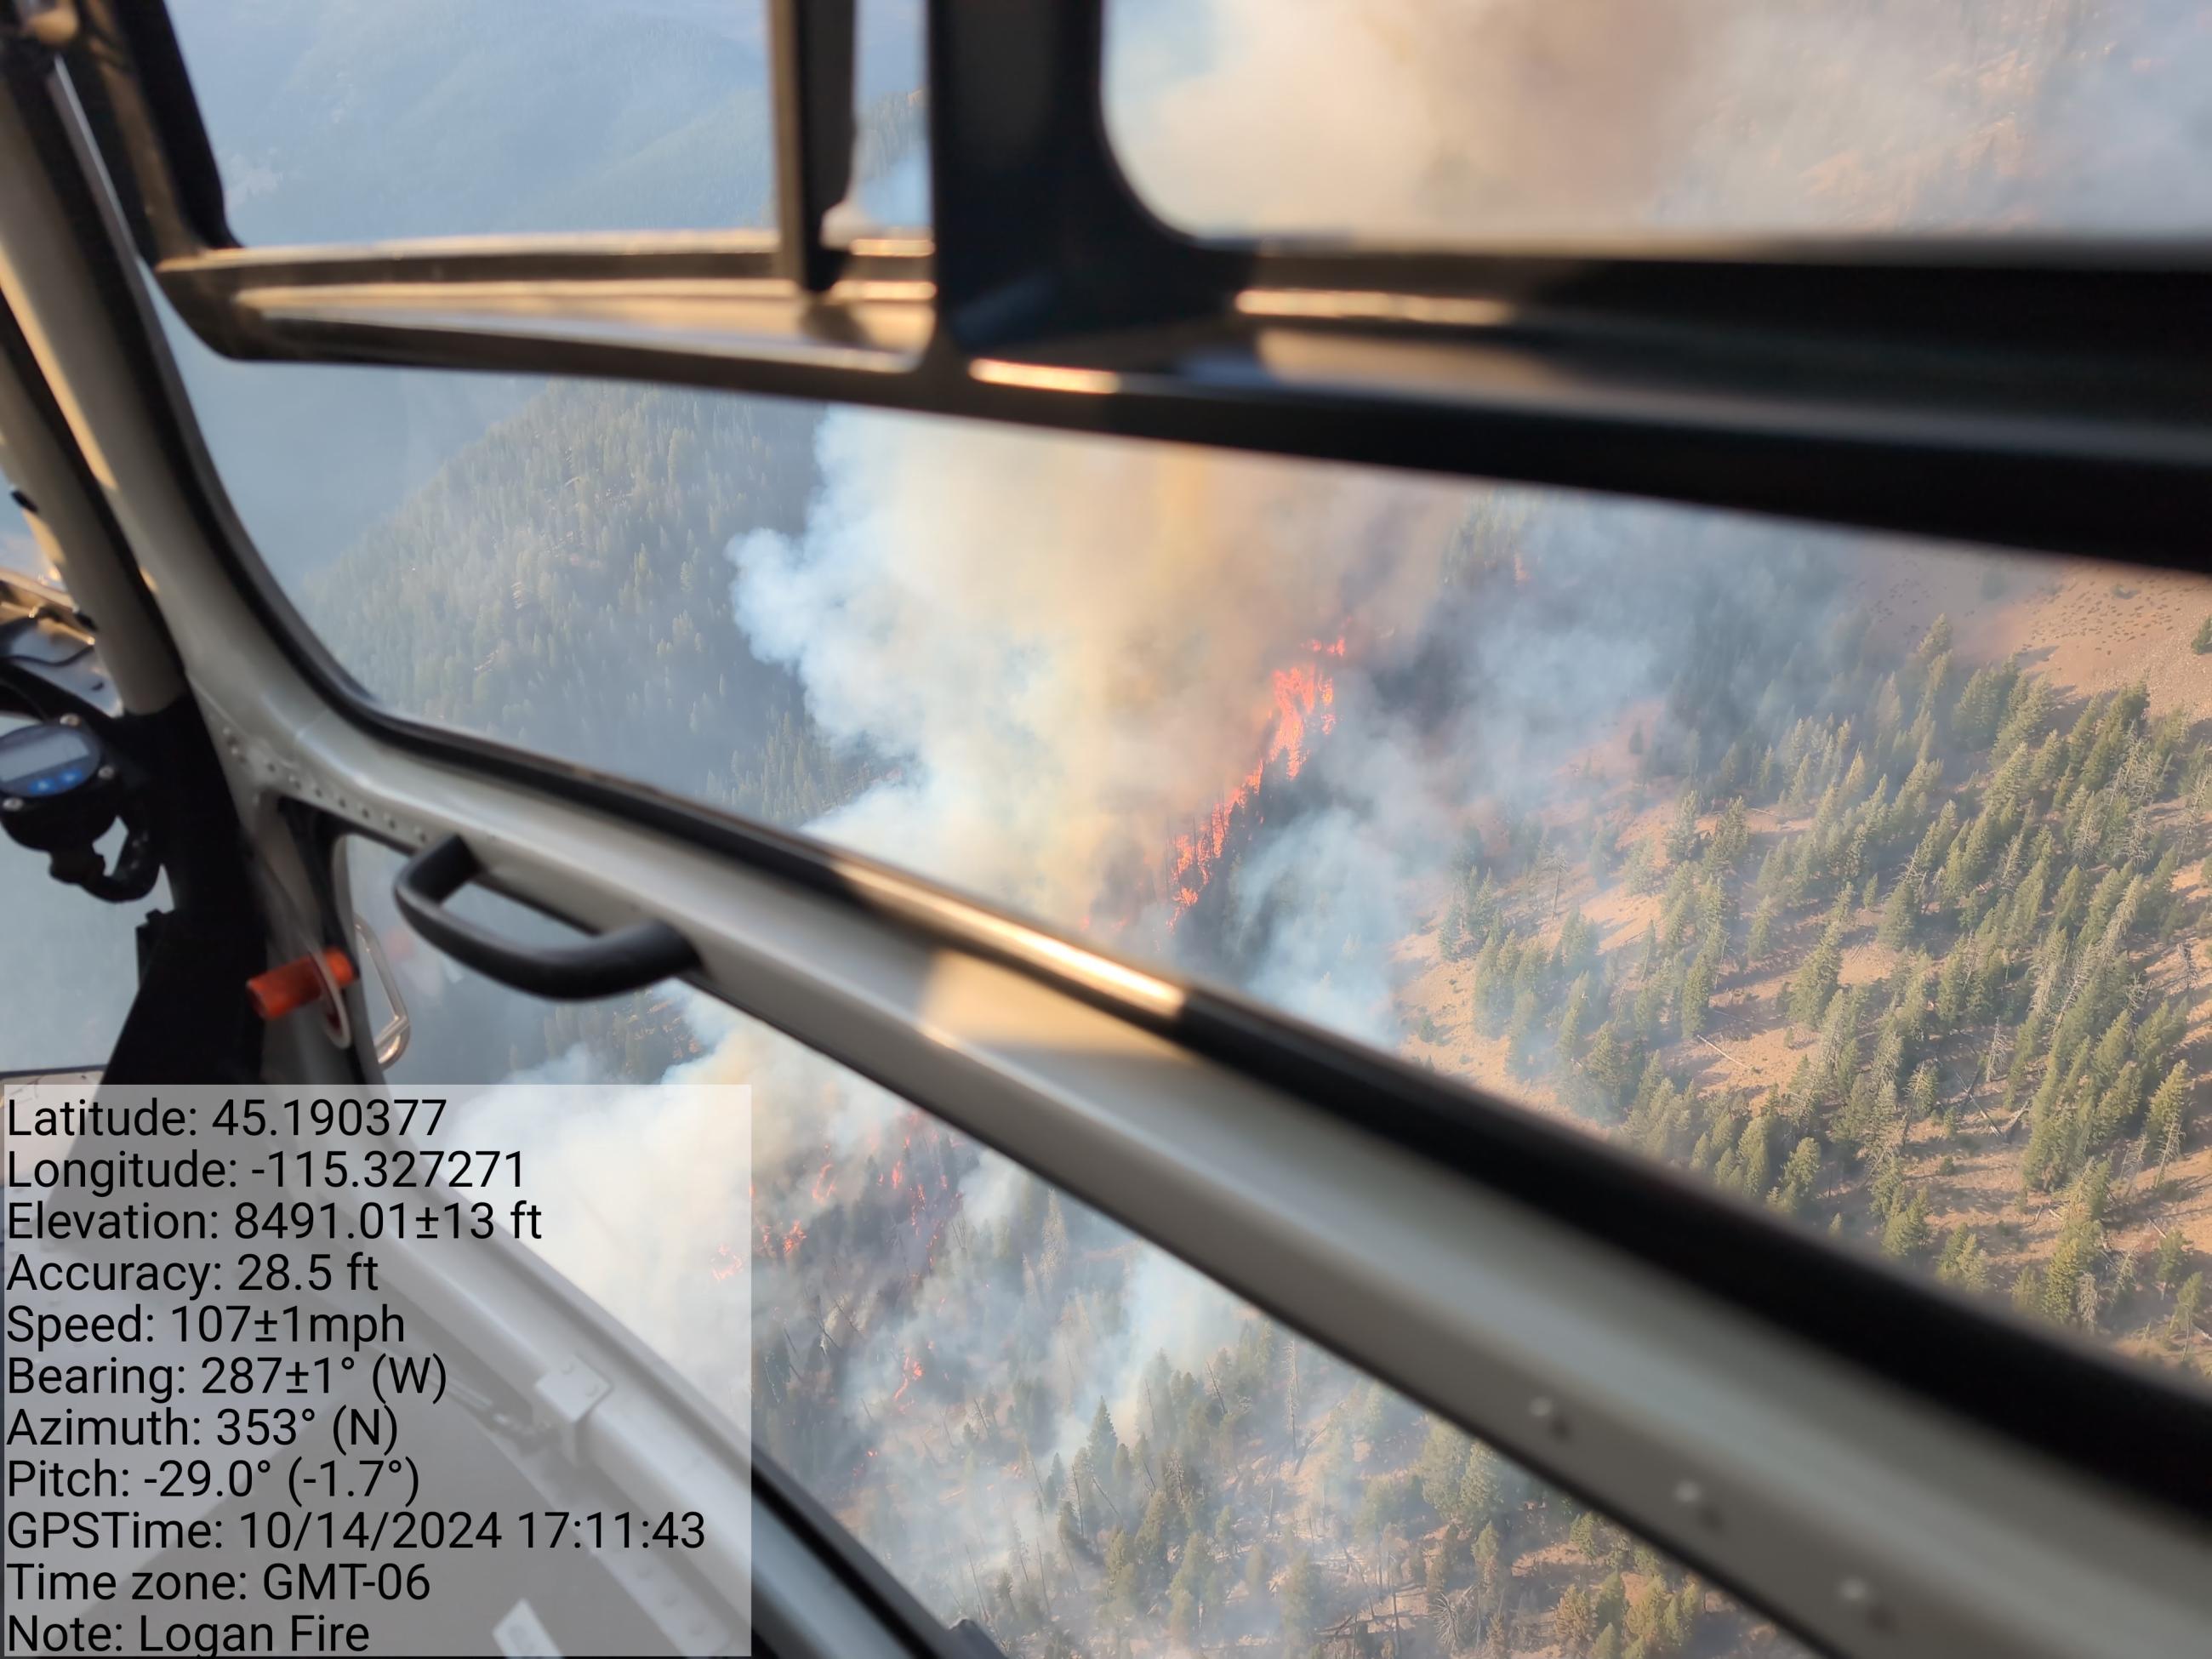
(628, 959)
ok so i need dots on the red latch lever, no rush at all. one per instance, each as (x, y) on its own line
(298, 984)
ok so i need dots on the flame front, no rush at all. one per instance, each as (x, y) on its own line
(1305, 699)
(909, 1374)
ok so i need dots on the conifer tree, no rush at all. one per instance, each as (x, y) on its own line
(1681, 839)
(1487, 1552)
(1573, 1623)
(1696, 996)
(1905, 1234)
(1814, 983)
(1762, 929)
(2188, 1304)
(2162, 1120)
(1437, 1469)
(1800, 1175)
(1573, 1015)
(1582, 1536)
(1924, 1091)
(2172, 1251)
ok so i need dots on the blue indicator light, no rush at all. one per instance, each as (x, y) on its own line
(54, 782)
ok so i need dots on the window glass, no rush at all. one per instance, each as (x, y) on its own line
(353, 120)
(1495, 119)
(20, 551)
(1037, 1421)
(1046, 1426)
(891, 155)
(1866, 877)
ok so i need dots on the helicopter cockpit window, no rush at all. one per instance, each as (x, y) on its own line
(889, 191)
(1548, 678)
(21, 550)
(1516, 119)
(1859, 876)
(363, 121)
(1038, 1420)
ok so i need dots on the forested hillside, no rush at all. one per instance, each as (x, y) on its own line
(561, 584)
(1913, 960)
(1042, 1424)
(1778, 885)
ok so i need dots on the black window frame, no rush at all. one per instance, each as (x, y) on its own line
(2043, 393)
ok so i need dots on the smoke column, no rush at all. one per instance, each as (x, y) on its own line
(1064, 647)
(1482, 119)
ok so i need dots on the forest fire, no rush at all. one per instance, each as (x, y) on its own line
(909, 1374)
(1305, 696)
(1297, 691)
(916, 1192)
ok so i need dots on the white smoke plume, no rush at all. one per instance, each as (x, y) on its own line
(1479, 119)
(1066, 646)
(599, 1157)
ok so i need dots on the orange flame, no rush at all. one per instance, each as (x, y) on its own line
(909, 1374)
(795, 1238)
(1297, 691)
(1300, 695)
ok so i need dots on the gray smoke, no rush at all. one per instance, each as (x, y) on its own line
(1484, 119)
